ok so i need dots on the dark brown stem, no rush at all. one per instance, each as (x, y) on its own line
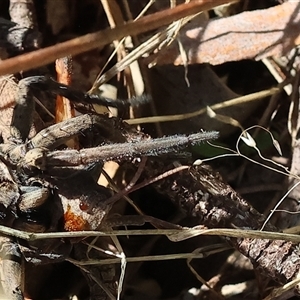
(201, 193)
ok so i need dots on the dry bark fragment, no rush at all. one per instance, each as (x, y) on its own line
(21, 33)
(248, 35)
(201, 193)
(23, 13)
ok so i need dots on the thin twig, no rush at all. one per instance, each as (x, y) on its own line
(94, 40)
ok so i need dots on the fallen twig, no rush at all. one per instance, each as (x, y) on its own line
(90, 41)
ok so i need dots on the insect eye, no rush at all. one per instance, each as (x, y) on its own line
(83, 206)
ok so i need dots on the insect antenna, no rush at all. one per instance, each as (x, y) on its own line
(47, 83)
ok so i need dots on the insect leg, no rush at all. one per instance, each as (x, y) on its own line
(48, 84)
(27, 87)
(57, 134)
(64, 158)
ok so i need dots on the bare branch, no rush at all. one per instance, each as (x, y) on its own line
(90, 41)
